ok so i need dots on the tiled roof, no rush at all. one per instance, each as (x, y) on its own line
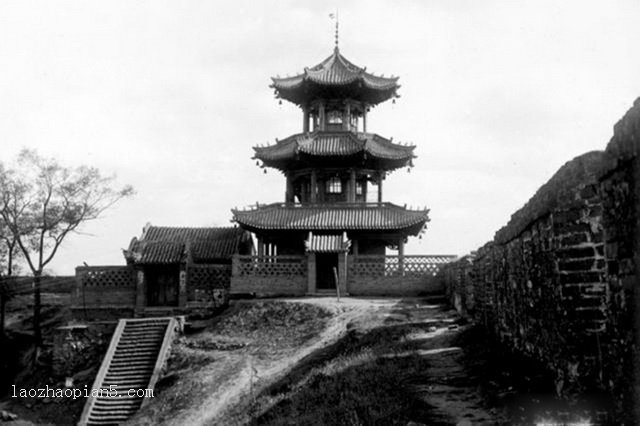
(329, 144)
(332, 217)
(337, 71)
(178, 233)
(167, 244)
(145, 252)
(333, 243)
(202, 250)
(332, 144)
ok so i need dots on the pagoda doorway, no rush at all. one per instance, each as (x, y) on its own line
(326, 264)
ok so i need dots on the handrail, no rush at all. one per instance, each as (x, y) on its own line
(162, 355)
(104, 367)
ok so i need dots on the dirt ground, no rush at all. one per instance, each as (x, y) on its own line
(433, 367)
(358, 361)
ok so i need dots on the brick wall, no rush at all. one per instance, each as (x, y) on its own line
(556, 283)
(263, 285)
(272, 275)
(395, 275)
(392, 286)
(103, 286)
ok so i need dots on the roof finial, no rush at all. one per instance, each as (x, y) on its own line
(335, 17)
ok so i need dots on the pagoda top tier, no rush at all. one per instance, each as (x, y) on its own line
(335, 78)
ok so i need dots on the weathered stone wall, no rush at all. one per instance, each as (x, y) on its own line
(620, 191)
(393, 286)
(77, 347)
(459, 290)
(557, 281)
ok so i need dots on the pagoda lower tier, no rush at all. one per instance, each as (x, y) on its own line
(368, 227)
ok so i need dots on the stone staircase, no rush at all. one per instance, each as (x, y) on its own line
(133, 361)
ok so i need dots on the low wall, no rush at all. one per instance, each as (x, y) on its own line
(395, 275)
(104, 292)
(273, 275)
(557, 282)
(208, 285)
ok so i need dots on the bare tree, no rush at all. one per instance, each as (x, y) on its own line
(7, 258)
(42, 202)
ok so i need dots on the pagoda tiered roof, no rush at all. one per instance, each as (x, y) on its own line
(366, 149)
(333, 217)
(336, 77)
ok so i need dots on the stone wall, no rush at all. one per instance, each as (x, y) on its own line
(78, 347)
(620, 191)
(556, 283)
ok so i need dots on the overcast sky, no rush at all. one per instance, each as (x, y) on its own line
(171, 96)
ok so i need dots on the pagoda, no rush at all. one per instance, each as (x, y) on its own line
(335, 168)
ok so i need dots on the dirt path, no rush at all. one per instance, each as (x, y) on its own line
(229, 380)
(255, 375)
(383, 361)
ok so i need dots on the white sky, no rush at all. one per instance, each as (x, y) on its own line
(171, 96)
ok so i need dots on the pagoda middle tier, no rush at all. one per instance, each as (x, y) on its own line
(341, 149)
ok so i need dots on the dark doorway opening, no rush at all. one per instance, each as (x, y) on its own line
(325, 278)
(162, 285)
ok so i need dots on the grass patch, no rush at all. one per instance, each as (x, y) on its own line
(202, 362)
(356, 382)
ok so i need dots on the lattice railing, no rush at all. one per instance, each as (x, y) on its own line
(106, 276)
(406, 266)
(209, 276)
(208, 284)
(269, 266)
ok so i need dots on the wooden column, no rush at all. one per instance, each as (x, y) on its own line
(380, 179)
(288, 195)
(352, 187)
(342, 273)
(364, 119)
(182, 289)
(314, 186)
(346, 117)
(305, 119)
(141, 290)
(322, 117)
(260, 247)
(401, 256)
(311, 273)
